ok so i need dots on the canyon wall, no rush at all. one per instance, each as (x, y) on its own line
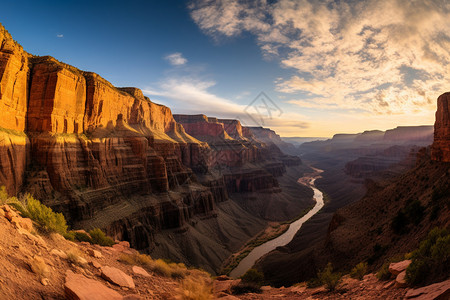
(440, 149)
(109, 157)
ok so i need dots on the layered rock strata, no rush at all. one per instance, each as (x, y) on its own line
(440, 149)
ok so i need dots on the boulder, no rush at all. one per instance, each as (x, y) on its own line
(94, 253)
(438, 291)
(397, 268)
(140, 271)
(78, 287)
(400, 280)
(117, 277)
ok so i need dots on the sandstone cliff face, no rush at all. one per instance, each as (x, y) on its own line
(440, 149)
(57, 97)
(14, 71)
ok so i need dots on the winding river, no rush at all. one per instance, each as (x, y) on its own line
(248, 262)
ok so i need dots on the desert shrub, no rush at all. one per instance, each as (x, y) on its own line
(83, 237)
(39, 267)
(328, 278)
(160, 267)
(100, 238)
(74, 256)
(431, 261)
(383, 273)
(44, 216)
(313, 283)
(196, 289)
(70, 235)
(136, 259)
(245, 287)
(253, 276)
(359, 271)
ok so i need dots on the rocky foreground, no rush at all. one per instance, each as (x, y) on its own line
(34, 266)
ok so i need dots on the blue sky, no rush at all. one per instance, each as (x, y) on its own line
(328, 67)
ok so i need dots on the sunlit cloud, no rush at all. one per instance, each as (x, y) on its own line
(189, 95)
(176, 59)
(381, 57)
(60, 36)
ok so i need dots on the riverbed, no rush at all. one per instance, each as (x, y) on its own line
(284, 239)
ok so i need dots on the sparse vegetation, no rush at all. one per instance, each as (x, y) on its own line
(100, 238)
(383, 273)
(159, 266)
(196, 289)
(328, 278)
(44, 216)
(253, 276)
(431, 261)
(359, 271)
(39, 267)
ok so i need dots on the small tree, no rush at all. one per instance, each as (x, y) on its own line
(359, 271)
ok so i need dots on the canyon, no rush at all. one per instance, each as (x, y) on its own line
(371, 180)
(190, 188)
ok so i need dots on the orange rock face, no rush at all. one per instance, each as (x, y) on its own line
(440, 149)
(57, 97)
(14, 71)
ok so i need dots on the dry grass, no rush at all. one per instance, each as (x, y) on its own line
(159, 266)
(39, 267)
(74, 256)
(196, 288)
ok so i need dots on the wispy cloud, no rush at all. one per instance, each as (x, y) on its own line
(190, 95)
(176, 59)
(382, 57)
(60, 35)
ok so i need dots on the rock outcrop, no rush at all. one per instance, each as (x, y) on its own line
(440, 150)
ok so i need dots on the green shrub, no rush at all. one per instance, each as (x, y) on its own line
(359, 271)
(44, 216)
(253, 276)
(383, 273)
(245, 287)
(70, 235)
(328, 278)
(100, 238)
(83, 237)
(431, 261)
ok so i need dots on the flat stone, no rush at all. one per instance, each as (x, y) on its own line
(140, 271)
(397, 268)
(440, 290)
(95, 264)
(58, 253)
(400, 280)
(94, 253)
(225, 286)
(117, 277)
(78, 287)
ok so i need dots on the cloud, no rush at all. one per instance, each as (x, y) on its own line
(176, 59)
(190, 95)
(381, 57)
(60, 35)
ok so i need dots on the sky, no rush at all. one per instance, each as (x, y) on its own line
(301, 67)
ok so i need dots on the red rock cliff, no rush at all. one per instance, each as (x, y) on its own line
(440, 149)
